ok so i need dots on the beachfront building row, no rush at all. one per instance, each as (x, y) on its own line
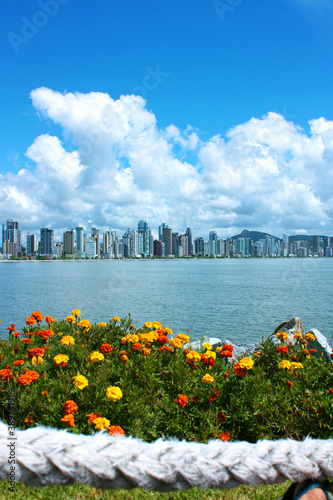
(139, 243)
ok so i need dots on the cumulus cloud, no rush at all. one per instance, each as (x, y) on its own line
(113, 166)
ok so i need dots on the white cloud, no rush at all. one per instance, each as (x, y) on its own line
(114, 166)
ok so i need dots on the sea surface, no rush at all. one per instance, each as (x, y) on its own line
(240, 300)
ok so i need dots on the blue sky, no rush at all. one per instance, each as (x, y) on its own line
(221, 82)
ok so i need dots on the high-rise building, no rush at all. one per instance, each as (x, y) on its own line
(46, 241)
(175, 244)
(160, 230)
(199, 247)
(189, 235)
(68, 245)
(213, 243)
(158, 248)
(183, 245)
(95, 237)
(79, 241)
(144, 230)
(167, 240)
(11, 238)
(31, 244)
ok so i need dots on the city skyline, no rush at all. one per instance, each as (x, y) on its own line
(141, 243)
(203, 114)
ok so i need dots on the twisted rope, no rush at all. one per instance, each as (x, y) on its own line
(46, 456)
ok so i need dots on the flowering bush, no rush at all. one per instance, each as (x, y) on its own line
(141, 382)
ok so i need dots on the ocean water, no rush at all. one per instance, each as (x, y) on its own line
(241, 300)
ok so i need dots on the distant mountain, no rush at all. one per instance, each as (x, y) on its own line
(253, 235)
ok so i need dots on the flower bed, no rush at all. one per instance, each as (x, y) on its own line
(142, 382)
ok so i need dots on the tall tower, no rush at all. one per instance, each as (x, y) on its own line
(69, 243)
(46, 241)
(79, 241)
(189, 235)
(11, 238)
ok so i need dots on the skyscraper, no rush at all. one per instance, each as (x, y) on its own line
(69, 243)
(167, 240)
(31, 244)
(189, 235)
(11, 238)
(79, 240)
(46, 241)
(144, 229)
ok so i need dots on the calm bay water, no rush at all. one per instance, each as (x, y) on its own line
(236, 299)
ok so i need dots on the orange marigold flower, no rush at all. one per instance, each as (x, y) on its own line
(36, 351)
(26, 341)
(28, 420)
(70, 407)
(182, 400)
(294, 358)
(330, 391)
(163, 339)
(226, 374)
(226, 354)
(45, 393)
(116, 430)
(6, 374)
(92, 417)
(313, 350)
(146, 351)
(30, 320)
(122, 353)
(124, 358)
(16, 334)
(38, 316)
(240, 371)
(225, 436)
(228, 347)
(69, 420)
(306, 352)
(136, 347)
(282, 349)
(28, 377)
(290, 384)
(45, 334)
(105, 348)
(165, 348)
(49, 319)
(18, 362)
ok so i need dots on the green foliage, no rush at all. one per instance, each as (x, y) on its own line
(267, 403)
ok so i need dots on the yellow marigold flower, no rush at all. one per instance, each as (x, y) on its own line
(101, 423)
(124, 358)
(114, 393)
(285, 365)
(296, 365)
(157, 325)
(37, 360)
(85, 324)
(101, 324)
(208, 346)
(76, 312)
(309, 336)
(193, 356)
(298, 336)
(115, 319)
(147, 337)
(70, 319)
(67, 340)
(133, 338)
(207, 379)
(246, 363)
(61, 359)
(148, 324)
(96, 356)
(146, 351)
(168, 331)
(183, 337)
(282, 335)
(80, 382)
(219, 349)
(176, 343)
(210, 354)
(60, 333)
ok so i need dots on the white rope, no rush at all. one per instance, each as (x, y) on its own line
(46, 456)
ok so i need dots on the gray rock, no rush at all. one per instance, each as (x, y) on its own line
(320, 344)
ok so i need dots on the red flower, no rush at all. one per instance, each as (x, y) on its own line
(228, 347)
(163, 339)
(282, 349)
(290, 384)
(26, 341)
(36, 351)
(30, 321)
(182, 400)
(92, 417)
(330, 391)
(224, 436)
(240, 371)
(196, 399)
(49, 319)
(38, 316)
(28, 377)
(221, 416)
(136, 347)
(226, 354)
(226, 374)
(45, 334)
(165, 348)
(313, 350)
(105, 349)
(6, 374)
(211, 399)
